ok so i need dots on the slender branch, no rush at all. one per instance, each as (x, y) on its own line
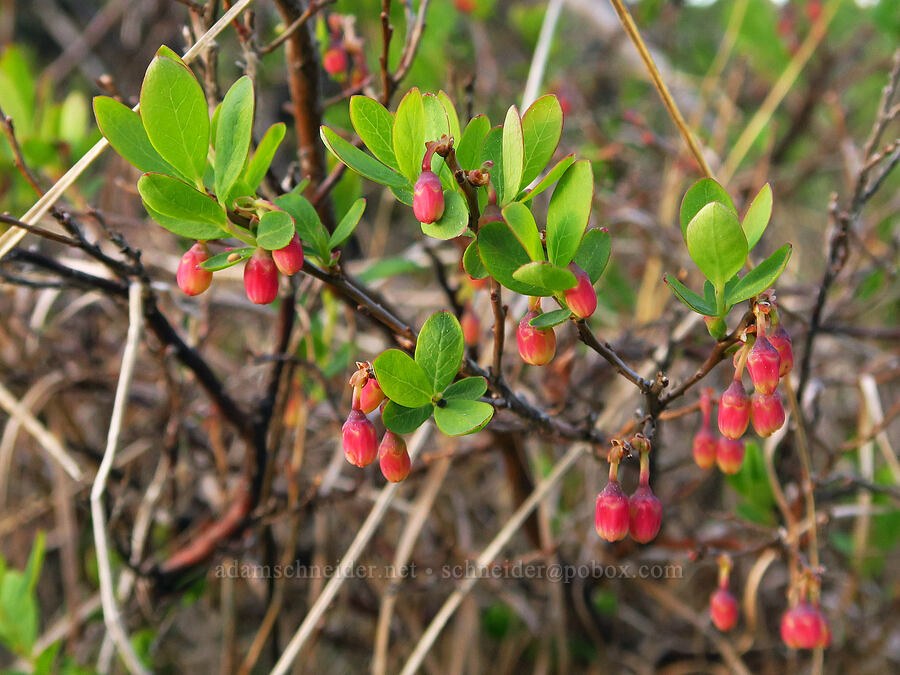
(18, 158)
(605, 350)
(313, 9)
(499, 329)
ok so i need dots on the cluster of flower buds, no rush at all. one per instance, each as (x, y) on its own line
(537, 346)
(640, 515)
(723, 608)
(359, 436)
(803, 626)
(708, 450)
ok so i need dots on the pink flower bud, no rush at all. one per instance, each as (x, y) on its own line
(537, 346)
(370, 396)
(192, 279)
(782, 342)
(734, 411)
(766, 412)
(428, 198)
(394, 459)
(705, 448)
(359, 439)
(723, 610)
(804, 627)
(729, 455)
(335, 60)
(644, 515)
(581, 299)
(289, 260)
(471, 327)
(261, 277)
(763, 364)
(611, 514)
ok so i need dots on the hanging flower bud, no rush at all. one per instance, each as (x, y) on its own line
(734, 410)
(763, 364)
(191, 278)
(804, 627)
(767, 413)
(581, 298)
(729, 455)
(782, 342)
(704, 445)
(359, 439)
(644, 509)
(393, 457)
(611, 512)
(723, 608)
(261, 277)
(537, 346)
(428, 197)
(370, 396)
(335, 60)
(289, 260)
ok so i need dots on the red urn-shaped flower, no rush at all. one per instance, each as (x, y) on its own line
(611, 513)
(371, 396)
(704, 446)
(763, 364)
(393, 457)
(581, 299)
(537, 346)
(766, 412)
(261, 277)
(734, 410)
(804, 627)
(783, 344)
(359, 438)
(644, 509)
(289, 260)
(335, 60)
(723, 609)
(428, 197)
(729, 455)
(192, 279)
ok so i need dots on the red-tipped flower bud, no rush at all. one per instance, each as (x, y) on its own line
(782, 342)
(359, 438)
(581, 299)
(261, 277)
(370, 396)
(723, 610)
(537, 346)
(192, 279)
(763, 363)
(611, 514)
(705, 448)
(289, 260)
(335, 60)
(729, 455)
(766, 412)
(644, 515)
(734, 411)
(804, 627)
(471, 327)
(393, 457)
(428, 198)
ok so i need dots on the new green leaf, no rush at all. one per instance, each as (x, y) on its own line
(757, 217)
(513, 157)
(226, 259)
(542, 126)
(403, 420)
(124, 130)
(760, 277)
(402, 379)
(693, 300)
(550, 319)
(363, 164)
(233, 131)
(453, 220)
(409, 134)
(593, 254)
(716, 242)
(468, 148)
(471, 388)
(262, 158)
(460, 416)
(552, 176)
(178, 201)
(546, 275)
(275, 230)
(502, 255)
(306, 220)
(521, 222)
(569, 211)
(348, 223)
(439, 350)
(472, 261)
(700, 194)
(374, 125)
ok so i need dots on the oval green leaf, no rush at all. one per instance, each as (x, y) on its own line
(716, 243)
(374, 125)
(363, 164)
(453, 221)
(593, 254)
(550, 319)
(262, 158)
(275, 230)
(186, 228)
(757, 217)
(521, 222)
(546, 275)
(222, 261)
(402, 379)
(468, 148)
(569, 211)
(124, 130)
(408, 134)
(306, 220)
(452, 117)
(348, 223)
(439, 350)
(470, 388)
(542, 127)
(691, 299)
(552, 176)
(472, 262)
(233, 132)
(502, 254)
(176, 199)
(513, 156)
(460, 416)
(402, 420)
(760, 277)
(700, 194)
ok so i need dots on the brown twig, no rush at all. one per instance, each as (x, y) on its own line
(605, 350)
(313, 8)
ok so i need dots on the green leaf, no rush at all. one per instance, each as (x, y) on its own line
(125, 132)
(165, 52)
(760, 277)
(436, 126)
(186, 228)
(214, 124)
(593, 254)
(716, 243)
(363, 164)
(757, 217)
(17, 90)
(460, 416)
(472, 262)
(402, 420)
(550, 319)
(374, 125)
(521, 222)
(306, 220)
(177, 200)
(693, 300)
(233, 132)
(492, 151)
(409, 134)
(470, 388)
(221, 261)
(546, 275)
(452, 117)
(468, 148)
(402, 379)
(700, 194)
(513, 156)
(552, 176)
(348, 223)
(502, 255)
(275, 230)
(542, 126)
(32, 571)
(173, 110)
(439, 350)
(262, 158)
(570, 209)
(453, 220)
(404, 195)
